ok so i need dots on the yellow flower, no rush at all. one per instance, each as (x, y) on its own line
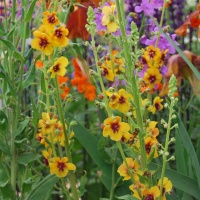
(59, 37)
(109, 18)
(107, 72)
(150, 146)
(120, 100)
(50, 20)
(152, 130)
(167, 187)
(42, 42)
(46, 123)
(152, 56)
(60, 167)
(59, 67)
(151, 193)
(137, 187)
(114, 128)
(41, 139)
(157, 106)
(59, 135)
(133, 166)
(152, 77)
(47, 156)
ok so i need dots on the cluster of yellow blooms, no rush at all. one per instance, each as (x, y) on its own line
(51, 132)
(154, 59)
(49, 36)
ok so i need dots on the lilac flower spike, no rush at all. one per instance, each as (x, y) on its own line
(146, 6)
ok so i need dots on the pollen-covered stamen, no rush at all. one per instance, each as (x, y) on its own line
(104, 72)
(121, 100)
(115, 127)
(157, 106)
(51, 19)
(58, 33)
(149, 197)
(144, 62)
(148, 148)
(113, 97)
(56, 68)
(46, 162)
(61, 166)
(152, 79)
(43, 43)
(152, 54)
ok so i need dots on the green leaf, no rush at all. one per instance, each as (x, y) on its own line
(30, 78)
(29, 15)
(7, 192)
(3, 176)
(22, 126)
(42, 188)
(3, 123)
(82, 184)
(27, 157)
(189, 148)
(180, 156)
(2, 31)
(192, 67)
(12, 48)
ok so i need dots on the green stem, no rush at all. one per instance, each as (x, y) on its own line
(100, 77)
(68, 10)
(161, 23)
(113, 177)
(55, 6)
(61, 114)
(13, 10)
(132, 79)
(166, 148)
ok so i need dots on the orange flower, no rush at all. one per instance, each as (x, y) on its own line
(193, 20)
(82, 81)
(62, 84)
(39, 64)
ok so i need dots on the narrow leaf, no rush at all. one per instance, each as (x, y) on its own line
(42, 188)
(22, 126)
(189, 148)
(29, 15)
(12, 48)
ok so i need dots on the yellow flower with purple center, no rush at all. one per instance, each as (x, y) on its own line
(107, 72)
(167, 187)
(151, 146)
(133, 166)
(59, 37)
(157, 105)
(41, 138)
(60, 167)
(59, 67)
(120, 100)
(114, 128)
(109, 18)
(46, 123)
(151, 194)
(50, 20)
(42, 42)
(152, 76)
(47, 156)
(152, 56)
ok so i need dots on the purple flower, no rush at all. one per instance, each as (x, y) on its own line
(146, 6)
(164, 70)
(158, 4)
(163, 42)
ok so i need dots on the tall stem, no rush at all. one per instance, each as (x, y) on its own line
(67, 147)
(132, 79)
(166, 149)
(161, 22)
